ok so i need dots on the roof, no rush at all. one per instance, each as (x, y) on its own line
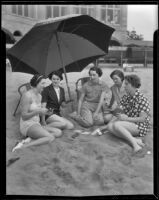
(142, 43)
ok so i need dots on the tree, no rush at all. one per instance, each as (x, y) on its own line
(132, 35)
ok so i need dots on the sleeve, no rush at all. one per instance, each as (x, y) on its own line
(63, 95)
(144, 105)
(44, 95)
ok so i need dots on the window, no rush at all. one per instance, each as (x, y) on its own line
(117, 16)
(103, 15)
(14, 9)
(26, 10)
(56, 12)
(63, 10)
(90, 11)
(84, 10)
(48, 12)
(20, 10)
(110, 15)
(76, 10)
(32, 11)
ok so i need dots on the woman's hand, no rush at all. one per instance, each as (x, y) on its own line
(95, 115)
(43, 124)
(122, 117)
(42, 111)
(50, 111)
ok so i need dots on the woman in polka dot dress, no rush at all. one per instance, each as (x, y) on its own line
(135, 121)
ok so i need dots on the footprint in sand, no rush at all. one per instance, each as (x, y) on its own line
(11, 161)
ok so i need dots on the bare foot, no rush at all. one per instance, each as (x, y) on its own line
(139, 142)
(137, 148)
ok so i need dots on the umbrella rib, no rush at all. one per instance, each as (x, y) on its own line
(47, 49)
(69, 52)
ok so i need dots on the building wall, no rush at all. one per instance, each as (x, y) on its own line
(19, 21)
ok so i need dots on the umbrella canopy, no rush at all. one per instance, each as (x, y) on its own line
(9, 36)
(70, 41)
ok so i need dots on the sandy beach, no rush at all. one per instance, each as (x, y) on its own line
(76, 164)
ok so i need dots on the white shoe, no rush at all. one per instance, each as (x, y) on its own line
(85, 133)
(18, 146)
(97, 132)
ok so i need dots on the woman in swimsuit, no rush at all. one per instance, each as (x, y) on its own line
(30, 115)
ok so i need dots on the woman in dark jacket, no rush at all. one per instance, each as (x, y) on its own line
(53, 97)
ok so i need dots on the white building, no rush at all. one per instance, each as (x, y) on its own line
(19, 19)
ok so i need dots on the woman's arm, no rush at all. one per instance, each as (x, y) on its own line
(25, 105)
(124, 117)
(112, 98)
(100, 102)
(43, 122)
(80, 103)
(111, 101)
(141, 118)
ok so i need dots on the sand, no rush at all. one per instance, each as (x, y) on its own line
(76, 165)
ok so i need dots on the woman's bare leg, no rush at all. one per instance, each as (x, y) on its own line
(126, 130)
(54, 131)
(56, 122)
(69, 124)
(39, 136)
(108, 117)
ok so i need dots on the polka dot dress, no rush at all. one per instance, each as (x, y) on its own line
(133, 106)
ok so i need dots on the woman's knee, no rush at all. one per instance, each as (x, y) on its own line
(57, 132)
(108, 118)
(98, 122)
(69, 125)
(110, 126)
(63, 124)
(88, 124)
(51, 138)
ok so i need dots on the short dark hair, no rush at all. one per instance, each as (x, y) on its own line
(118, 73)
(36, 79)
(97, 70)
(134, 80)
(57, 73)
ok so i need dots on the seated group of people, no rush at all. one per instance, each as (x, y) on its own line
(40, 108)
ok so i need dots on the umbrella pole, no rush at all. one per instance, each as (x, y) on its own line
(68, 88)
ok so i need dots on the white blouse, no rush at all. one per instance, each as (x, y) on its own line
(57, 90)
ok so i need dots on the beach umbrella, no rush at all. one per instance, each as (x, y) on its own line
(68, 43)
